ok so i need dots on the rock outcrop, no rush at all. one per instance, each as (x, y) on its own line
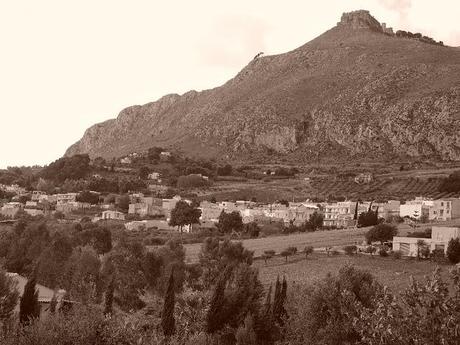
(352, 92)
(360, 19)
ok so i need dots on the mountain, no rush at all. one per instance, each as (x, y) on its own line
(358, 91)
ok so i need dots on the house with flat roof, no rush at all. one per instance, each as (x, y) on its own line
(440, 237)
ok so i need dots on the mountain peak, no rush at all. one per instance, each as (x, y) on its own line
(360, 19)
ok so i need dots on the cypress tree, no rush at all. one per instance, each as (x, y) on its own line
(214, 319)
(276, 300)
(53, 303)
(268, 301)
(283, 312)
(355, 217)
(108, 308)
(29, 308)
(167, 317)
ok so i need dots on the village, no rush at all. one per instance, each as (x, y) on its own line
(141, 212)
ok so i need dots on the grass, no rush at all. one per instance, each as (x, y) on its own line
(389, 272)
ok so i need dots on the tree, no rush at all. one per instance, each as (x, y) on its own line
(167, 316)
(143, 172)
(315, 221)
(268, 254)
(29, 308)
(74, 168)
(215, 257)
(324, 312)
(229, 222)
(245, 334)
(308, 250)
(252, 229)
(126, 264)
(184, 214)
(8, 296)
(453, 250)
(108, 302)
(226, 170)
(279, 311)
(153, 153)
(123, 202)
(83, 279)
(381, 232)
(214, 319)
(425, 313)
(350, 250)
(89, 197)
(286, 253)
(369, 218)
(421, 244)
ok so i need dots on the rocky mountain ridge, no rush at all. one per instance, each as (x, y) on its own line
(353, 92)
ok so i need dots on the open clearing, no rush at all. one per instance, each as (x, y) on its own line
(389, 272)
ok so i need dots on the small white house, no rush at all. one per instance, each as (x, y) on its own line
(114, 215)
(154, 176)
(126, 160)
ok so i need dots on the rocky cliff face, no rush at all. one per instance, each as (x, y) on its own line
(351, 92)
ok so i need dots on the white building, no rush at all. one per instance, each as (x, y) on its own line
(65, 198)
(114, 215)
(415, 211)
(10, 209)
(440, 237)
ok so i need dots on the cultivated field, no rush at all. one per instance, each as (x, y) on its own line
(316, 239)
(389, 272)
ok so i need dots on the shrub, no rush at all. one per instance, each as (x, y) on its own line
(293, 250)
(350, 250)
(397, 254)
(453, 251)
(383, 251)
(437, 255)
(308, 250)
(370, 250)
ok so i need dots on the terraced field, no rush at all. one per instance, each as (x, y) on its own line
(402, 185)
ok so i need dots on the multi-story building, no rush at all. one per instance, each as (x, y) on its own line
(341, 214)
(444, 209)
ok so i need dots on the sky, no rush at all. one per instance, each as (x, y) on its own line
(66, 65)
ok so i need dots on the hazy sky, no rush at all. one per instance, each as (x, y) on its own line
(65, 65)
